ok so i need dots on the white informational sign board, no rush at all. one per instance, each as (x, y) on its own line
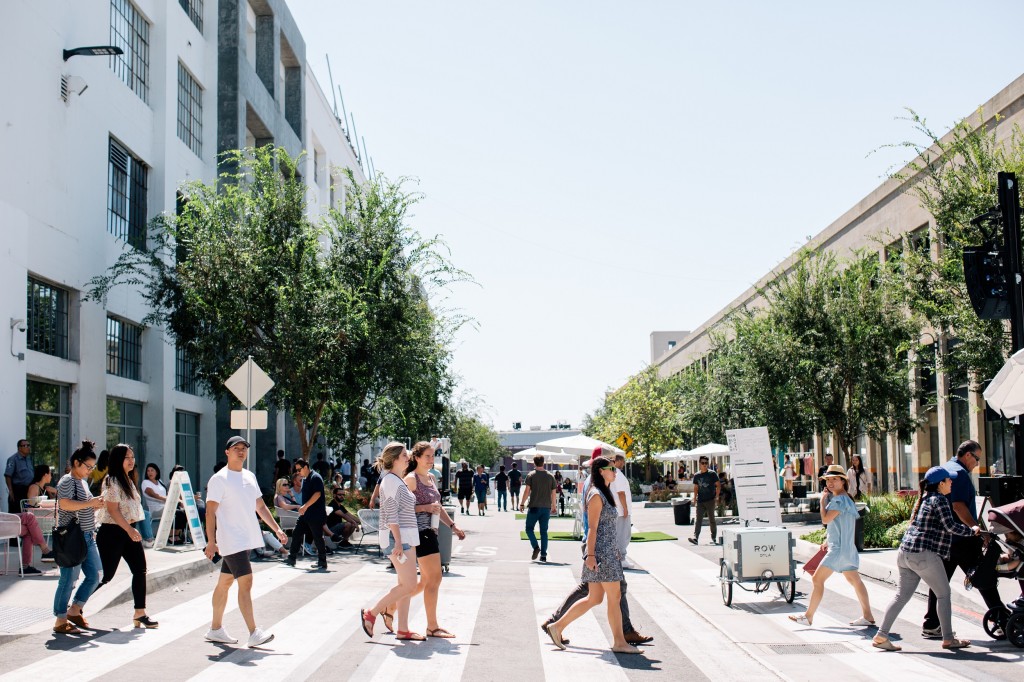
(753, 476)
(181, 489)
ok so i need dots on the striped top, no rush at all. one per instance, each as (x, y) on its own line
(398, 506)
(71, 488)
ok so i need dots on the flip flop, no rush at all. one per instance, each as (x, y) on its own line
(368, 622)
(862, 622)
(440, 633)
(409, 636)
(957, 644)
(801, 619)
(389, 620)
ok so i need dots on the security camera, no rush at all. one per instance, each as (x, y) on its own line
(18, 323)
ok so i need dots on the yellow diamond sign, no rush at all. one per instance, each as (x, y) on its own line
(624, 441)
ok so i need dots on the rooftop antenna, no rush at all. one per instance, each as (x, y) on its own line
(331, 78)
(344, 113)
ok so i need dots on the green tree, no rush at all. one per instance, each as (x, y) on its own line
(475, 441)
(955, 179)
(241, 271)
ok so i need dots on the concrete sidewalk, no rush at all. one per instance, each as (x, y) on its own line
(877, 564)
(26, 604)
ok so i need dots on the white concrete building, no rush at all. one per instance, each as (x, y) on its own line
(95, 146)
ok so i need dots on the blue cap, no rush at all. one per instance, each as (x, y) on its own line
(937, 475)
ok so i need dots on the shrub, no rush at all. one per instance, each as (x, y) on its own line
(815, 536)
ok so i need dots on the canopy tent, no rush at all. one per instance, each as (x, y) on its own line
(672, 456)
(1005, 394)
(581, 446)
(710, 449)
(549, 457)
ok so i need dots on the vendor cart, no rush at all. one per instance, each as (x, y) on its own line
(756, 558)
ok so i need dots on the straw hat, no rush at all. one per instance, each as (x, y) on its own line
(835, 470)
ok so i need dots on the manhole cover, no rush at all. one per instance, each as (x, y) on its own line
(14, 618)
(808, 649)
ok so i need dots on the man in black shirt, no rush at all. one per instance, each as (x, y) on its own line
(514, 479)
(464, 481)
(501, 488)
(312, 515)
(282, 469)
(823, 468)
(707, 487)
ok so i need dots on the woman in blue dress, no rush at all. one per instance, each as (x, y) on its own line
(839, 513)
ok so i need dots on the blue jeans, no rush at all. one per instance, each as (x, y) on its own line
(502, 498)
(534, 515)
(69, 576)
(145, 525)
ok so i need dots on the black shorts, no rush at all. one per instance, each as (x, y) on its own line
(428, 543)
(514, 489)
(465, 493)
(236, 564)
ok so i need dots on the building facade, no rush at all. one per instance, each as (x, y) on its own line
(880, 222)
(98, 145)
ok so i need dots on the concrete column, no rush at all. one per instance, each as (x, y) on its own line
(945, 413)
(268, 51)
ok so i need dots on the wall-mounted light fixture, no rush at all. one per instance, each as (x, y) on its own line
(94, 51)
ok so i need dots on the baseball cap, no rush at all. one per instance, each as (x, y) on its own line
(235, 440)
(938, 475)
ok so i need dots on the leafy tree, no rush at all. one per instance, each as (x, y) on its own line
(241, 271)
(955, 179)
(475, 441)
(644, 408)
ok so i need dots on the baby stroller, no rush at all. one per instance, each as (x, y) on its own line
(1006, 551)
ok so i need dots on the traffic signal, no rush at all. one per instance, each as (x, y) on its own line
(988, 285)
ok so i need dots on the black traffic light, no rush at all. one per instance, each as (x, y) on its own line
(987, 280)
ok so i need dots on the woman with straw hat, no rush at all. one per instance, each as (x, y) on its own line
(839, 513)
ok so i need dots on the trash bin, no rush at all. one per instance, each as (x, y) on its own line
(858, 529)
(681, 510)
(444, 540)
(799, 490)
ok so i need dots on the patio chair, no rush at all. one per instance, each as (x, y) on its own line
(10, 528)
(369, 522)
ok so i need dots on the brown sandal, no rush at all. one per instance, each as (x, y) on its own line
(66, 628)
(389, 620)
(409, 636)
(79, 620)
(440, 633)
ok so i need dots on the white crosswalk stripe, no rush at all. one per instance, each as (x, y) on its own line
(107, 654)
(590, 656)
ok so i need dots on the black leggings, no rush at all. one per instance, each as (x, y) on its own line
(114, 544)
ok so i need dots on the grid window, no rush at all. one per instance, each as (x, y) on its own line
(185, 379)
(186, 443)
(48, 422)
(194, 10)
(190, 111)
(130, 32)
(124, 348)
(47, 324)
(124, 425)
(126, 201)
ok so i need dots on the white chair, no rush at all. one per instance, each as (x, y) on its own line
(46, 515)
(369, 522)
(286, 518)
(10, 528)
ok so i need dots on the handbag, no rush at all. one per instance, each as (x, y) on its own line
(811, 566)
(69, 548)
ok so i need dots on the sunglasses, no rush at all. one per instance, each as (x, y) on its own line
(608, 468)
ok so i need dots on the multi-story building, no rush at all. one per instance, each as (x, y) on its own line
(97, 145)
(879, 222)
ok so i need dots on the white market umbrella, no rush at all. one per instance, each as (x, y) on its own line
(672, 456)
(581, 446)
(1005, 394)
(709, 449)
(549, 457)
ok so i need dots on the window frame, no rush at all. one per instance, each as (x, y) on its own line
(190, 110)
(55, 338)
(124, 348)
(130, 31)
(127, 195)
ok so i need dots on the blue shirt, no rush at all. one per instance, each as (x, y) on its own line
(842, 548)
(481, 480)
(963, 487)
(20, 469)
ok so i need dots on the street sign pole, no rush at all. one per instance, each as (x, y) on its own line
(249, 384)
(1009, 206)
(248, 416)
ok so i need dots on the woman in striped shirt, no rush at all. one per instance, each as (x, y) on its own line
(399, 536)
(75, 501)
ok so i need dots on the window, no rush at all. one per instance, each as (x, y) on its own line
(194, 10)
(124, 425)
(190, 111)
(47, 319)
(185, 379)
(960, 413)
(126, 203)
(186, 443)
(124, 348)
(130, 32)
(47, 422)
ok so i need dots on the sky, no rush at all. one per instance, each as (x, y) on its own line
(608, 169)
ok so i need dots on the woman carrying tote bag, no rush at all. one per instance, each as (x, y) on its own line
(76, 504)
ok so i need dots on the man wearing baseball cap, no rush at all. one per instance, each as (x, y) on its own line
(964, 552)
(233, 495)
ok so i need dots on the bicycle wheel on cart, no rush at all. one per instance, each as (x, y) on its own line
(725, 575)
(788, 590)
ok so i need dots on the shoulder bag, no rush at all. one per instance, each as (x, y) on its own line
(69, 548)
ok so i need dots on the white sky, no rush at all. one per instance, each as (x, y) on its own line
(606, 169)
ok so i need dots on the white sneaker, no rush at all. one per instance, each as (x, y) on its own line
(220, 635)
(148, 544)
(628, 563)
(259, 637)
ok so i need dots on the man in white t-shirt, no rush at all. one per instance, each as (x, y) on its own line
(623, 505)
(233, 499)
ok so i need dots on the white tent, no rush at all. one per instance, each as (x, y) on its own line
(549, 457)
(710, 449)
(1005, 394)
(576, 445)
(672, 456)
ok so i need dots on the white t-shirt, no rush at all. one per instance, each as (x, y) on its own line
(621, 484)
(154, 505)
(238, 527)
